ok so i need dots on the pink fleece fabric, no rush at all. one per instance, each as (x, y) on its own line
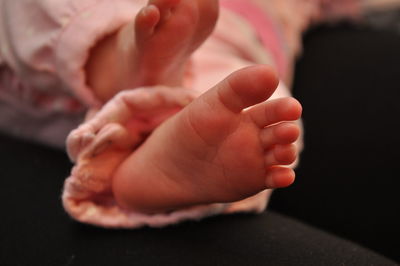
(267, 30)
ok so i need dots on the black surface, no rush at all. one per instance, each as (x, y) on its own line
(348, 181)
(35, 230)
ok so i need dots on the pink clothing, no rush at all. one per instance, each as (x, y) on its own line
(60, 36)
(44, 48)
(267, 30)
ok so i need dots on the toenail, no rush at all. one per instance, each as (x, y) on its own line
(89, 135)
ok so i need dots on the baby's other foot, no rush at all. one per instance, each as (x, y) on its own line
(153, 49)
(225, 146)
(166, 33)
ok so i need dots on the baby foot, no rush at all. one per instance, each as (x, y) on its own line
(166, 33)
(153, 49)
(226, 145)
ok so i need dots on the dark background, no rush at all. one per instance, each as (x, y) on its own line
(348, 81)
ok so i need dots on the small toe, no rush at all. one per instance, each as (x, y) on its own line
(278, 177)
(77, 140)
(281, 155)
(275, 111)
(283, 133)
(111, 135)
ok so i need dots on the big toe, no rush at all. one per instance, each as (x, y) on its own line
(165, 7)
(145, 21)
(243, 88)
(218, 110)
